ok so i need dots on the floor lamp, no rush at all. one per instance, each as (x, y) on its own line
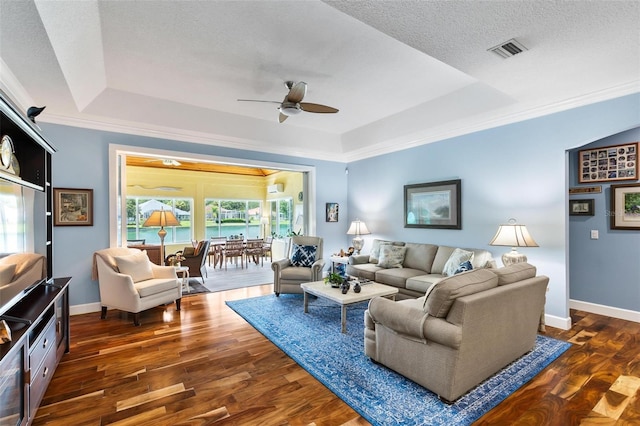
(161, 218)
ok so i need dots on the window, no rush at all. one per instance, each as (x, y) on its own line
(139, 209)
(281, 216)
(224, 218)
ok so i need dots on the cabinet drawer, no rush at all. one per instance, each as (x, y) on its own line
(41, 346)
(41, 378)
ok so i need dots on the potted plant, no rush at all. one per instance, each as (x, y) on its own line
(334, 279)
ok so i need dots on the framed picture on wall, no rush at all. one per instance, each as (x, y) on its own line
(72, 207)
(332, 212)
(625, 206)
(581, 207)
(433, 205)
(608, 163)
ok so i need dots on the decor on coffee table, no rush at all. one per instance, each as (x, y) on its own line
(433, 205)
(378, 394)
(513, 235)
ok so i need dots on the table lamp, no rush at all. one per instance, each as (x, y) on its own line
(161, 218)
(358, 228)
(513, 235)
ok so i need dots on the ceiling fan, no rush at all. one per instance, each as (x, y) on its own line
(292, 103)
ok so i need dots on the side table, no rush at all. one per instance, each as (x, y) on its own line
(340, 260)
(184, 271)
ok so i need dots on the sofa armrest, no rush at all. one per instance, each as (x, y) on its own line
(398, 317)
(358, 259)
(278, 265)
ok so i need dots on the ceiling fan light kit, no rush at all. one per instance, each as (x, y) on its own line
(292, 103)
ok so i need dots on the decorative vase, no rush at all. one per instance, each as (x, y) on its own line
(345, 286)
(356, 287)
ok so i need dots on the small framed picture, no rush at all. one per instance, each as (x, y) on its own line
(332, 212)
(581, 207)
(72, 207)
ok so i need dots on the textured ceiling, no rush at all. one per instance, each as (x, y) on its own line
(402, 73)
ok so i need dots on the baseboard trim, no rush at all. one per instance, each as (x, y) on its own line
(85, 309)
(594, 308)
(557, 322)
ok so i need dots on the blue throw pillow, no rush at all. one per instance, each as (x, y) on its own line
(464, 266)
(303, 255)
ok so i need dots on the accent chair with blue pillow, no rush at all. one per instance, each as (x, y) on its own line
(303, 264)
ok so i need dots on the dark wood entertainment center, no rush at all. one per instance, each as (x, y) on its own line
(38, 318)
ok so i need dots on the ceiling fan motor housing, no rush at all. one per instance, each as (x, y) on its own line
(290, 108)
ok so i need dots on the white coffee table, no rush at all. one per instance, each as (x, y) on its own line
(368, 291)
(184, 271)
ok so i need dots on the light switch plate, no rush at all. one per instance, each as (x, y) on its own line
(594, 234)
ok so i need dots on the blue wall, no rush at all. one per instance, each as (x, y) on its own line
(605, 271)
(514, 171)
(518, 171)
(82, 162)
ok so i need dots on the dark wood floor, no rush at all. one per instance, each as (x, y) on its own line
(206, 365)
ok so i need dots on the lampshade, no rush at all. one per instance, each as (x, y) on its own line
(161, 218)
(358, 228)
(513, 235)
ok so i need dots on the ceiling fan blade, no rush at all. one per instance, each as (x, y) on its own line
(282, 117)
(297, 92)
(257, 100)
(310, 107)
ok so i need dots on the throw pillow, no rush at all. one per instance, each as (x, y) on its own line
(137, 266)
(457, 257)
(6, 273)
(391, 256)
(303, 255)
(189, 251)
(464, 267)
(374, 255)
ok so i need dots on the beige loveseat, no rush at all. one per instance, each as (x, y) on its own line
(467, 328)
(422, 266)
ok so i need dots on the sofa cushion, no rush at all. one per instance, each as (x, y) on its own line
(374, 254)
(445, 292)
(391, 256)
(419, 256)
(396, 277)
(155, 285)
(367, 270)
(303, 256)
(458, 257)
(137, 266)
(514, 273)
(422, 282)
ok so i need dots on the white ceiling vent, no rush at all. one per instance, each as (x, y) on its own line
(508, 49)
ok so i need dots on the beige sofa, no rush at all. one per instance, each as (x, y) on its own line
(467, 328)
(422, 266)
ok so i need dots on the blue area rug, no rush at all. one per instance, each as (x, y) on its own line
(378, 394)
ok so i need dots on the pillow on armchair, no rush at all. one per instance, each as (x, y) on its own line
(303, 255)
(138, 266)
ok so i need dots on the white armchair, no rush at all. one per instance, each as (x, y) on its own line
(129, 282)
(288, 274)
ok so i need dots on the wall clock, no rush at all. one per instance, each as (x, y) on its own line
(6, 151)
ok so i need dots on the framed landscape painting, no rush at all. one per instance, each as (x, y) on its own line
(625, 206)
(433, 205)
(72, 207)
